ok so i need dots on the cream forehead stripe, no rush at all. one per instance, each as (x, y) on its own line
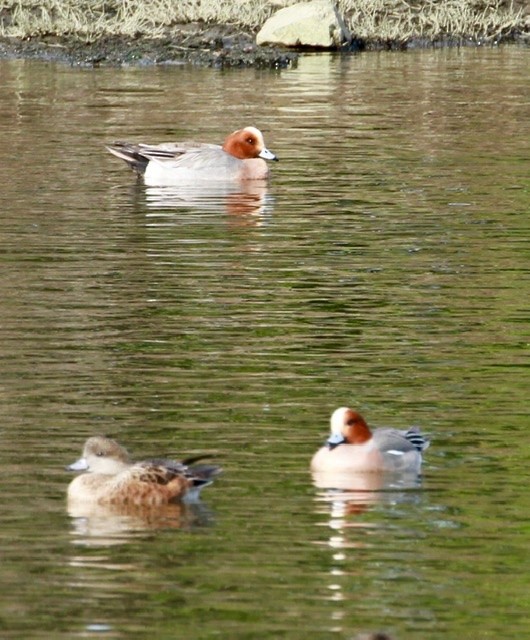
(255, 132)
(337, 420)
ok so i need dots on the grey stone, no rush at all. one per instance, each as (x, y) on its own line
(310, 24)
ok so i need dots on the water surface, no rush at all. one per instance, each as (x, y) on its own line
(385, 266)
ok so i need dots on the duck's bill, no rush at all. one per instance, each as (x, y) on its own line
(267, 155)
(334, 440)
(78, 465)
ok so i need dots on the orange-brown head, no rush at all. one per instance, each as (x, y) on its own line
(247, 143)
(348, 427)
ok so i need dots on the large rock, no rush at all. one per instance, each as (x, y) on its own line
(306, 24)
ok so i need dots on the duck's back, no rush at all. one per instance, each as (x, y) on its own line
(149, 483)
(400, 449)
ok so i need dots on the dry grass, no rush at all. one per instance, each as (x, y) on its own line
(379, 20)
(151, 18)
(402, 20)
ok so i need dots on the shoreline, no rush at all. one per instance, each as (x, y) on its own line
(202, 50)
(235, 50)
(229, 40)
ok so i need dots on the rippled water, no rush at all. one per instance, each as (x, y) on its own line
(384, 267)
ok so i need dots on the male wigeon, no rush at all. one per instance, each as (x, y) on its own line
(353, 448)
(111, 478)
(242, 157)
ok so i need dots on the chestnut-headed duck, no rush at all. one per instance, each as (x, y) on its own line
(353, 448)
(111, 478)
(242, 157)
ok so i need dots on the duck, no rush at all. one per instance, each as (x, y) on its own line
(354, 448)
(242, 157)
(111, 478)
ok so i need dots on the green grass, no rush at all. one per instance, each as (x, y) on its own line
(379, 20)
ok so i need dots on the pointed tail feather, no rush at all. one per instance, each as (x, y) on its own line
(130, 154)
(204, 474)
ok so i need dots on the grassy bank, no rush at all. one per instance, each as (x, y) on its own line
(392, 21)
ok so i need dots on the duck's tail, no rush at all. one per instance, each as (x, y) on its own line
(201, 474)
(204, 474)
(131, 154)
(418, 439)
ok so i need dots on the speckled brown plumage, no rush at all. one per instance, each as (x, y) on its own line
(111, 477)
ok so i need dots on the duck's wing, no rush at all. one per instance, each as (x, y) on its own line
(191, 157)
(388, 439)
(164, 471)
(173, 154)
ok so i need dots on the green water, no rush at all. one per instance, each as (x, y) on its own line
(384, 267)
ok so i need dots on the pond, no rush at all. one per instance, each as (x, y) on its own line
(384, 267)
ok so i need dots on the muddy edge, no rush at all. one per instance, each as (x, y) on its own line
(194, 43)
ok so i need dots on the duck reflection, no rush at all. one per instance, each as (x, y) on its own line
(249, 198)
(343, 498)
(103, 525)
(364, 489)
(355, 493)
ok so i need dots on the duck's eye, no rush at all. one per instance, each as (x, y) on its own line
(99, 454)
(250, 140)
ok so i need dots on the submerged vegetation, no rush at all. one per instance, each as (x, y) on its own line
(230, 24)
